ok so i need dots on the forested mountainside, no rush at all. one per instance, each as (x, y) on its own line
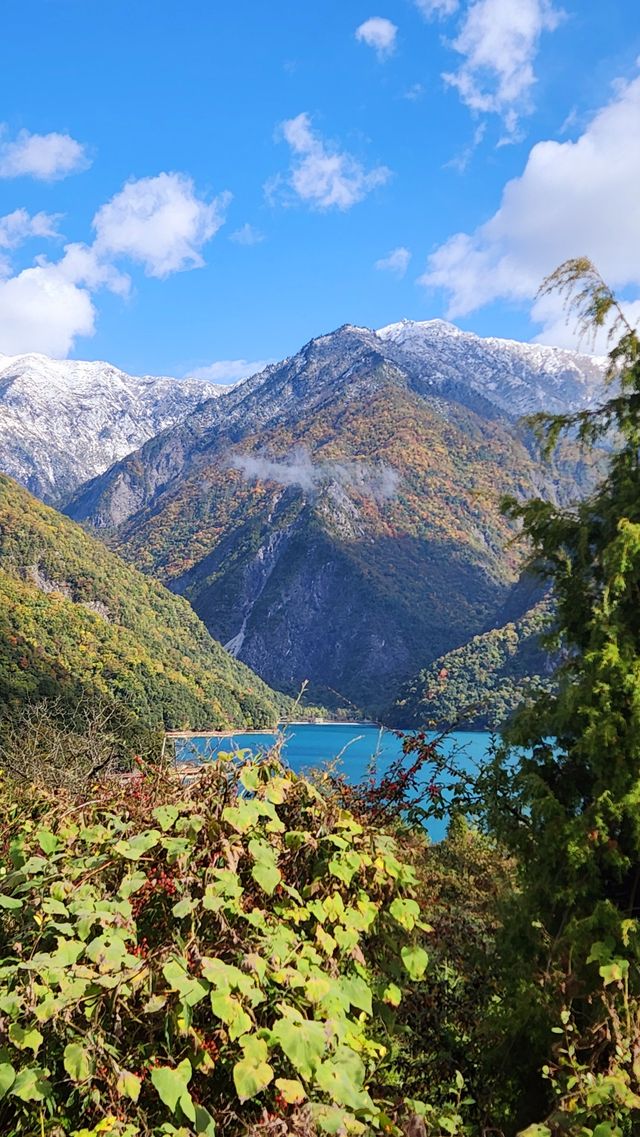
(478, 686)
(77, 623)
(337, 517)
(64, 421)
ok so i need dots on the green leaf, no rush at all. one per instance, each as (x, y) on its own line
(303, 1041)
(25, 1039)
(267, 876)
(405, 912)
(252, 1073)
(128, 1085)
(358, 992)
(77, 1062)
(392, 995)
(230, 1010)
(29, 1085)
(342, 1079)
(47, 841)
(166, 816)
(171, 1084)
(7, 1078)
(415, 960)
(292, 1091)
(9, 901)
(138, 845)
(183, 908)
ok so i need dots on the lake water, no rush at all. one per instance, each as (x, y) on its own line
(310, 745)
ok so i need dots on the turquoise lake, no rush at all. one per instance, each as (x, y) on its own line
(310, 745)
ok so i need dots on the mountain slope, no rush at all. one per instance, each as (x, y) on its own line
(479, 685)
(78, 623)
(337, 517)
(64, 421)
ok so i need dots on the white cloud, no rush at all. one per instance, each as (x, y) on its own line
(397, 262)
(378, 33)
(414, 92)
(160, 222)
(499, 40)
(247, 235)
(40, 310)
(47, 157)
(321, 174)
(574, 198)
(20, 225)
(299, 469)
(437, 8)
(228, 370)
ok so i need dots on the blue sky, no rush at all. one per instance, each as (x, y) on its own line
(184, 185)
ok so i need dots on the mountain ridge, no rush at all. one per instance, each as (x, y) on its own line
(65, 421)
(259, 507)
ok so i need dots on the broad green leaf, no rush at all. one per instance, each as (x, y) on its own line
(30, 1085)
(268, 876)
(303, 1041)
(292, 1091)
(229, 1009)
(7, 1078)
(205, 1125)
(171, 1084)
(392, 995)
(25, 1039)
(358, 993)
(77, 1062)
(183, 908)
(190, 989)
(415, 960)
(252, 1073)
(166, 816)
(342, 1079)
(405, 912)
(137, 845)
(131, 883)
(47, 841)
(128, 1085)
(9, 901)
(249, 777)
(345, 866)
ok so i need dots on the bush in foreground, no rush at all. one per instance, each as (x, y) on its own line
(225, 957)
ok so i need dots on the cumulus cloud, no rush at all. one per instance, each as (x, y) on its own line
(47, 157)
(298, 469)
(499, 42)
(21, 225)
(159, 222)
(322, 175)
(41, 310)
(229, 370)
(247, 235)
(397, 262)
(574, 198)
(378, 33)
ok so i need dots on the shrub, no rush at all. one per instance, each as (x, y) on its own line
(219, 957)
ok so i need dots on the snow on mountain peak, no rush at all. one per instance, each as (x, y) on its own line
(62, 421)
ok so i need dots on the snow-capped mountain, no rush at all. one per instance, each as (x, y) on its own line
(519, 378)
(337, 517)
(64, 421)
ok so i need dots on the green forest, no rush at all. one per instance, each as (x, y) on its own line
(251, 952)
(80, 626)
